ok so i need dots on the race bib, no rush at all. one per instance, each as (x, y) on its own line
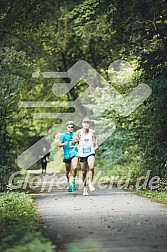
(86, 150)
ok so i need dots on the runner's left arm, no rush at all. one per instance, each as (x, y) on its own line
(96, 142)
(47, 156)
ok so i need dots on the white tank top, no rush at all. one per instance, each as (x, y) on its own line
(85, 146)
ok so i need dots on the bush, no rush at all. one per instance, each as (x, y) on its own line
(19, 224)
(32, 242)
(5, 173)
(162, 185)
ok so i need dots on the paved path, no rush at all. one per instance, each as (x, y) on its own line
(106, 220)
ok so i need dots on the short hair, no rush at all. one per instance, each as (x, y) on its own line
(70, 123)
(86, 119)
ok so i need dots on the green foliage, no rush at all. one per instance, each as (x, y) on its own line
(15, 209)
(86, 245)
(5, 172)
(98, 31)
(19, 224)
(12, 65)
(154, 195)
(162, 187)
(31, 242)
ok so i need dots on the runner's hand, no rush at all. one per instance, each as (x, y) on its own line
(96, 147)
(76, 139)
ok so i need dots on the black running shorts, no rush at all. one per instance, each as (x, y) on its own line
(85, 159)
(68, 160)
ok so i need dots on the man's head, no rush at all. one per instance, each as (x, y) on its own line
(44, 149)
(70, 126)
(86, 123)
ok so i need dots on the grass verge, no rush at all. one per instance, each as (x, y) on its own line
(154, 195)
(20, 225)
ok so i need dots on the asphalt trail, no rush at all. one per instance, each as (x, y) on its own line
(106, 220)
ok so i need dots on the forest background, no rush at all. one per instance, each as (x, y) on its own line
(41, 36)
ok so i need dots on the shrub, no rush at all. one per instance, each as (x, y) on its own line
(19, 224)
(5, 173)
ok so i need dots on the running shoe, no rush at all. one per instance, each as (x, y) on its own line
(85, 191)
(91, 187)
(73, 186)
(69, 188)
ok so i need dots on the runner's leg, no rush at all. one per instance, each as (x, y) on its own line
(74, 172)
(91, 162)
(84, 170)
(45, 168)
(74, 166)
(67, 165)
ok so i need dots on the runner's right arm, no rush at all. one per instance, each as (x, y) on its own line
(61, 143)
(76, 137)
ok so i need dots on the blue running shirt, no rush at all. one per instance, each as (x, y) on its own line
(69, 149)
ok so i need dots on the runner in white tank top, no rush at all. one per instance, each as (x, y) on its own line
(85, 146)
(86, 151)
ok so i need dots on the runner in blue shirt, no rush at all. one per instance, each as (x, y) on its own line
(70, 154)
